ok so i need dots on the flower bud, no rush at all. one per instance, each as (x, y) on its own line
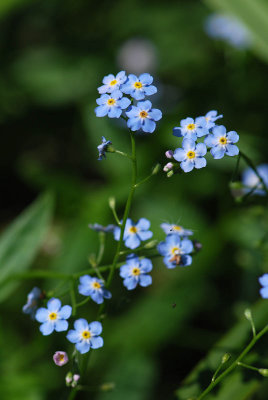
(263, 372)
(168, 167)
(151, 244)
(60, 358)
(106, 387)
(225, 358)
(169, 154)
(111, 202)
(156, 169)
(248, 314)
(69, 378)
(169, 174)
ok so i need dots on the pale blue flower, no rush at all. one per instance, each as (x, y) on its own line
(264, 282)
(134, 233)
(143, 116)
(176, 251)
(210, 118)
(135, 272)
(111, 105)
(100, 228)
(176, 229)
(85, 335)
(191, 129)
(139, 87)
(102, 148)
(33, 300)
(53, 317)
(112, 83)
(222, 142)
(191, 155)
(93, 287)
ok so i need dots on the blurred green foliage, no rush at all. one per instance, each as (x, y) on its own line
(166, 341)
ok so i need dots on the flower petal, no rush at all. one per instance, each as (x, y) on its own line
(61, 325)
(54, 305)
(145, 280)
(83, 347)
(47, 328)
(81, 324)
(95, 328)
(42, 315)
(65, 312)
(96, 342)
(73, 336)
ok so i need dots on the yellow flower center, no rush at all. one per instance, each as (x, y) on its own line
(133, 229)
(138, 85)
(110, 102)
(61, 357)
(53, 316)
(191, 154)
(96, 285)
(114, 82)
(223, 140)
(191, 127)
(207, 118)
(86, 335)
(176, 228)
(136, 271)
(143, 114)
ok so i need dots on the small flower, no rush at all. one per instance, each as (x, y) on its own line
(143, 116)
(85, 335)
(221, 142)
(94, 288)
(191, 129)
(264, 282)
(135, 272)
(102, 148)
(33, 300)
(191, 155)
(176, 251)
(251, 180)
(139, 87)
(53, 317)
(100, 228)
(134, 233)
(111, 105)
(60, 358)
(169, 154)
(176, 229)
(210, 118)
(112, 82)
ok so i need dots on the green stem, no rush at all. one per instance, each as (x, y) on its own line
(122, 154)
(247, 366)
(252, 166)
(234, 364)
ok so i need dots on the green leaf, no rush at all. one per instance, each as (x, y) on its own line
(22, 240)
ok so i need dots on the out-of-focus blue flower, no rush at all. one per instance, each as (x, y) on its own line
(100, 228)
(33, 300)
(251, 180)
(94, 288)
(143, 116)
(191, 155)
(139, 87)
(134, 233)
(264, 282)
(53, 317)
(135, 271)
(176, 229)
(191, 129)
(210, 118)
(112, 83)
(102, 148)
(111, 105)
(228, 28)
(222, 142)
(175, 251)
(85, 335)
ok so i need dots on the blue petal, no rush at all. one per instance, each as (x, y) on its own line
(145, 235)
(200, 162)
(73, 336)
(134, 124)
(210, 141)
(65, 312)
(179, 154)
(108, 78)
(117, 94)
(201, 149)
(163, 248)
(217, 152)
(187, 166)
(155, 114)
(132, 242)
(96, 342)
(101, 111)
(188, 144)
(103, 99)
(219, 130)
(61, 325)
(95, 328)
(97, 297)
(103, 89)
(114, 112)
(133, 112)
(125, 271)
(150, 90)
(168, 264)
(264, 280)
(117, 231)
(42, 315)
(143, 224)
(233, 136)
(106, 294)
(177, 131)
(138, 94)
(145, 280)
(148, 125)
(144, 105)
(83, 347)
(132, 78)
(185, 260)
(81, 324)
(264, 292)
(187, 121)
(54, 305)
(186, 246)
(232, 150)
(47, 328)
(146, 265)
(85, 290)
(85, 280)
(130, 283)
(146, 79)
(124, 103)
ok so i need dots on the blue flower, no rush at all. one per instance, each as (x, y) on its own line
(85, 335)
(139, 87)
(264, 282)
(229, 29)
(210, 118)
(176, 229)
(102, 148)
(94, 288)
(112, 83)
(222, 142)
(191, 129)
(191, 155)
(134, 233)
(100, 228)
(135, 272)
(53, 317)
(111, 105)
(175, 251)
(143, 116)
(251, 180)
(33, 300)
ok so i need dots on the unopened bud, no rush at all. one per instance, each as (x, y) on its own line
(106, 387)
(111, 202)
(69, 378)
(263, 372)
(156, 169)
(169, 154)
(110, 149)
(225, 358)
(168, 167)
(248, 314)
(151, 244)
(169, 174)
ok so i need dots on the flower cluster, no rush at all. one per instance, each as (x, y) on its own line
(191, 154)
(125, 94)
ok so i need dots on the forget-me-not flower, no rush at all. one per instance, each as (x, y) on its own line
(32, 303)
(191, 129)
(100, 228)
(175, 251)
(210, 118)
(222, 142)
(134, 233)
(135, 271)
(176, 229)
(85, 335)
(191, 155)
(93, 287)
(102, 148)
(112, 83)
(251, 180)
(139, 87)
(264, 282)
(143, 116)
(60, 358)
(111, 104)
(53, 317)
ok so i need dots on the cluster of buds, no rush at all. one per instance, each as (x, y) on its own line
(169, 166)
(72, 380)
